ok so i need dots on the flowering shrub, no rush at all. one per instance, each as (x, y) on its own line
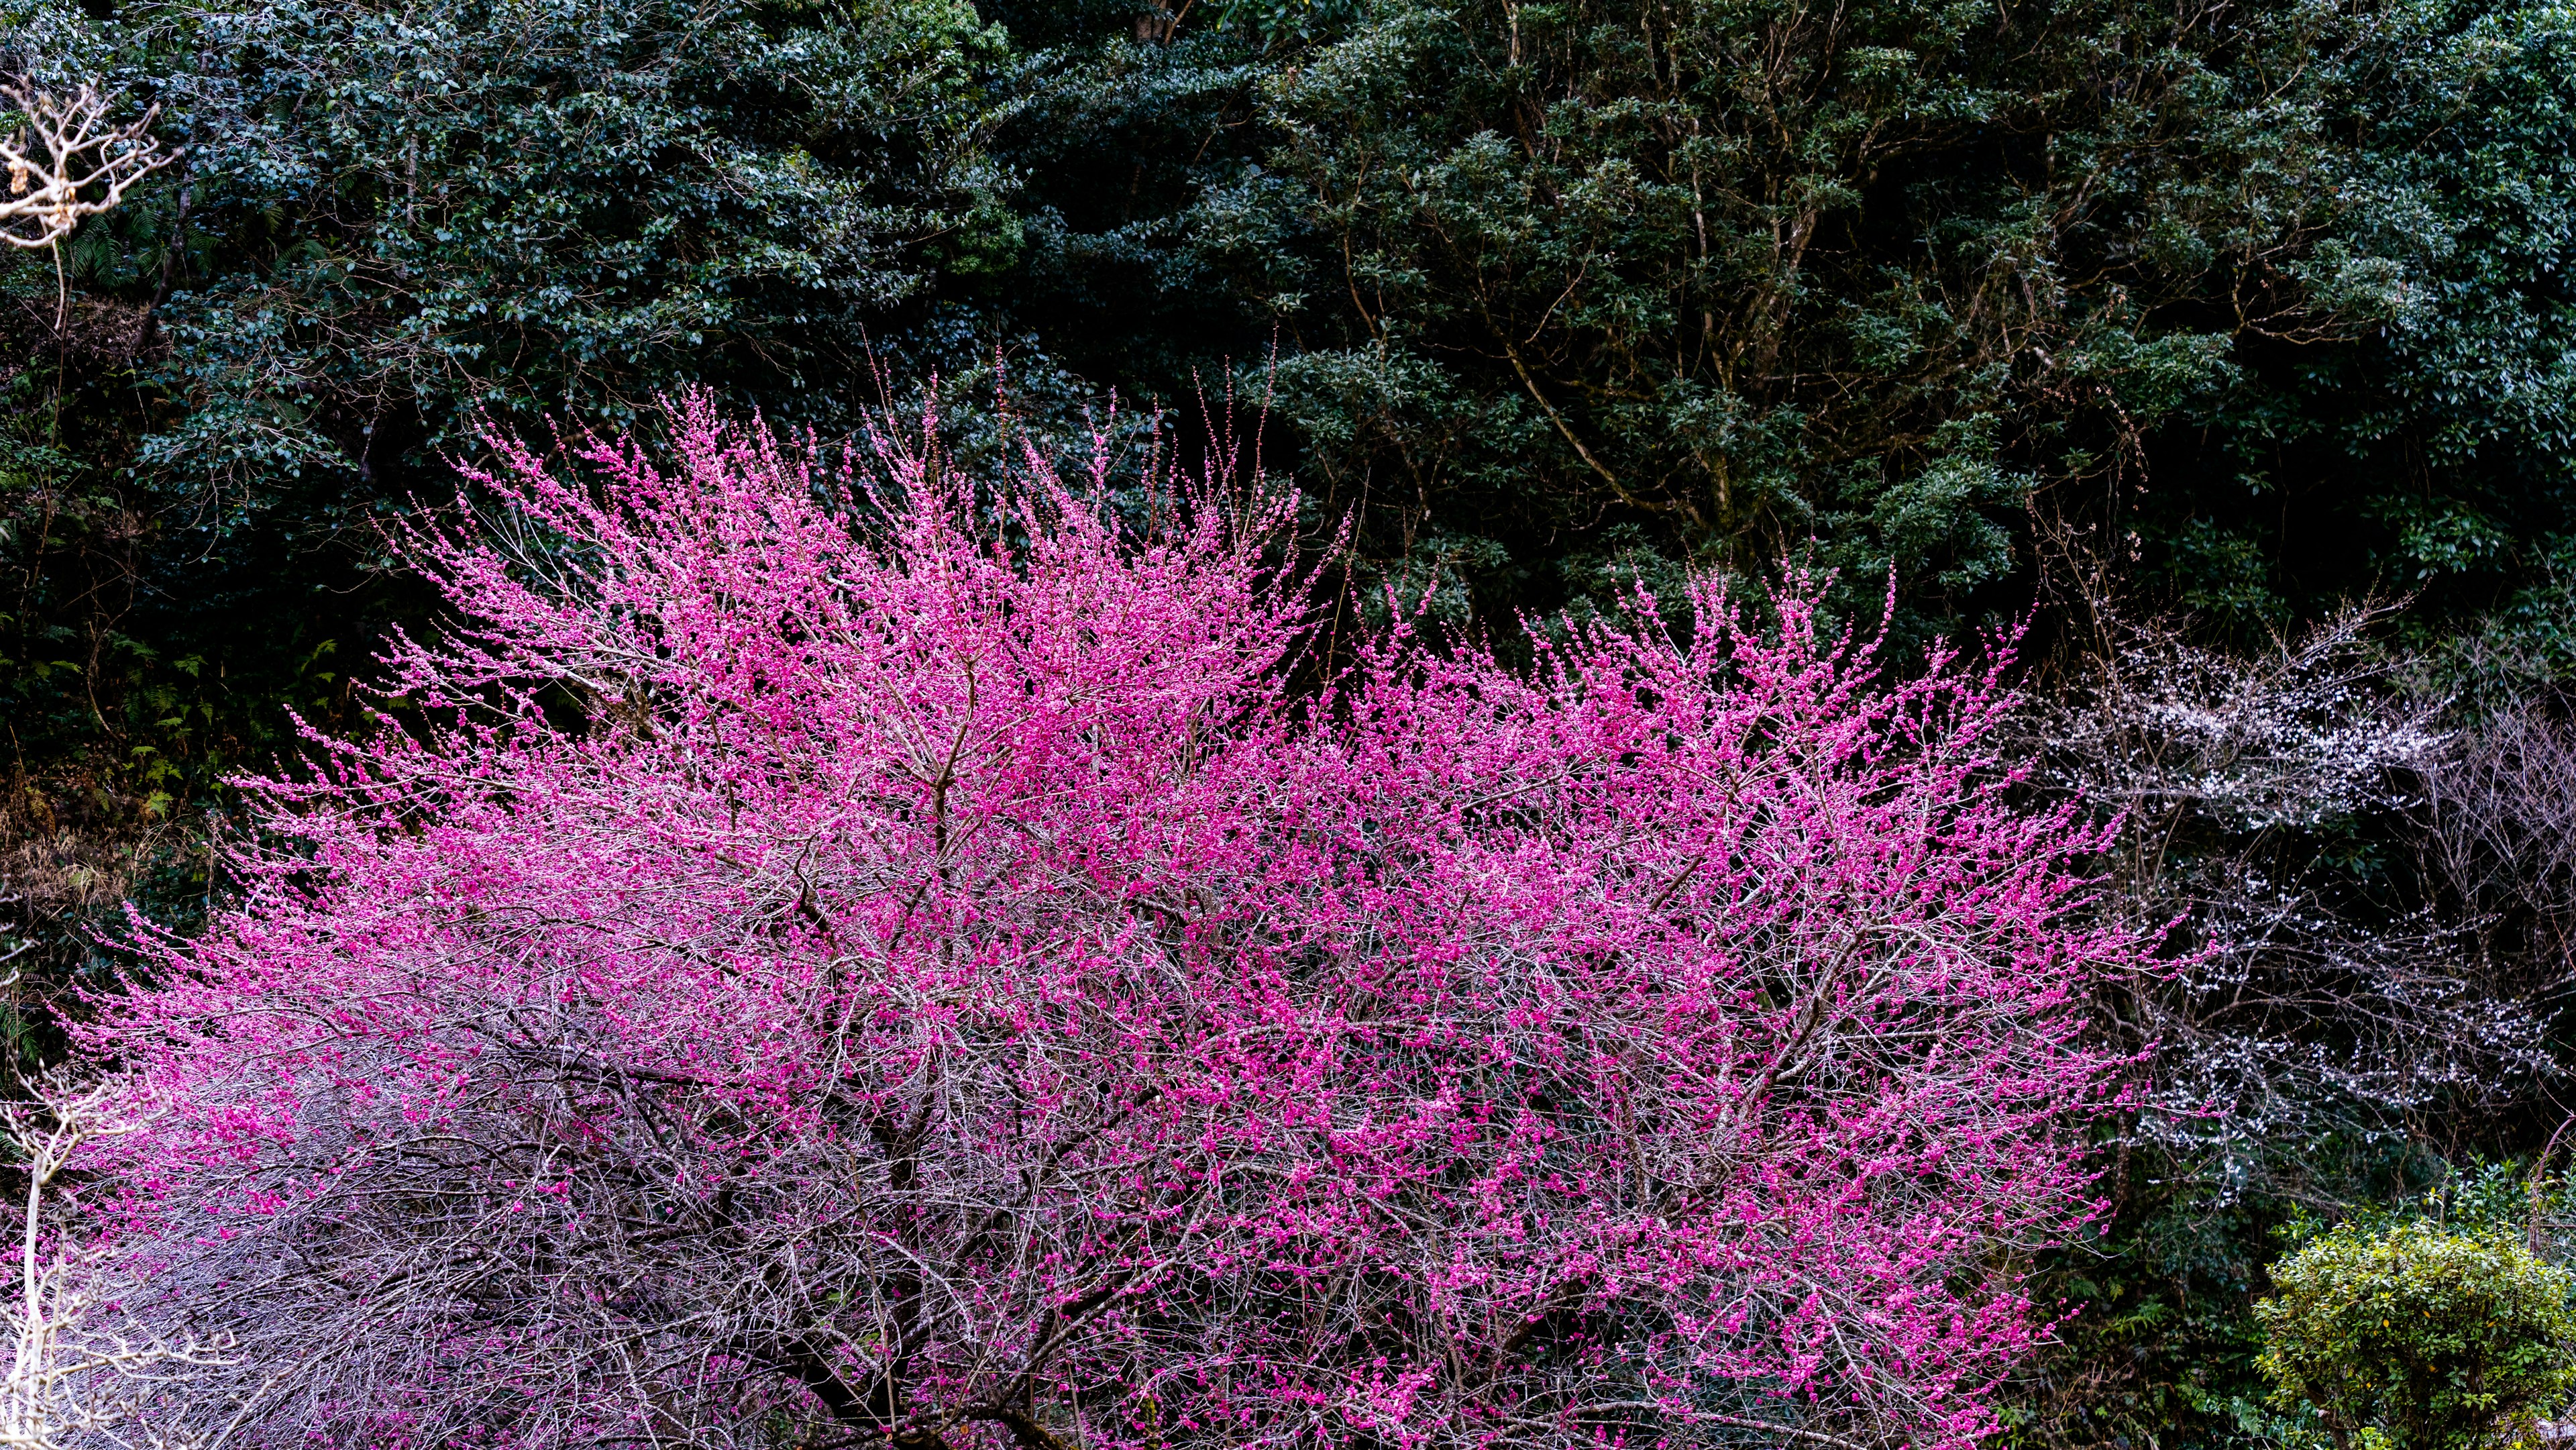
(873, 962)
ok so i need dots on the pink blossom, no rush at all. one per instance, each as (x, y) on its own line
(903, 963)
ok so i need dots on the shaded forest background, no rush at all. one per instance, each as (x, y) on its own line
(2231, 342)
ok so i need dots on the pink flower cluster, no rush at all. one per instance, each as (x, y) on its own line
(892, 963)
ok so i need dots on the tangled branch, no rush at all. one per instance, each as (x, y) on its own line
(78, 1364)
(70, 162)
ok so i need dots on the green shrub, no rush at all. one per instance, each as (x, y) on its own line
(2419, 1338)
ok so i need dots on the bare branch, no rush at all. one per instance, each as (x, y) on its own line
(69, 162)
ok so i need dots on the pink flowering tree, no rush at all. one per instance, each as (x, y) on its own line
(857, 960)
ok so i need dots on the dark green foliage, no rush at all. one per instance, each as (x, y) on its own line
(565, 205)
(2161, 1345)
(2256, 307)
(393, 222)
(1742, 275)
(2424, 445)
(2223, 298)
(2162, 1350)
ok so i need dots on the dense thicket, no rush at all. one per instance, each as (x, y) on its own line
(2275, 288)
(2239, 308)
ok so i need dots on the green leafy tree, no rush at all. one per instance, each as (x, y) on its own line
(415, 213)
(2256, 305)
(2418, 1338)
(1719, 279)
(2426, 444)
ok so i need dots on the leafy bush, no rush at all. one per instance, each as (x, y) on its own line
(2419, 1338)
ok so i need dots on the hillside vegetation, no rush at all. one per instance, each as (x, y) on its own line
(2215, 359)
